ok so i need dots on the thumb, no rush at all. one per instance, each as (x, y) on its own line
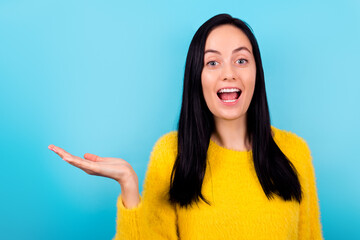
(92, 157)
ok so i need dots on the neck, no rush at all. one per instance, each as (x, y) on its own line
(231, 134)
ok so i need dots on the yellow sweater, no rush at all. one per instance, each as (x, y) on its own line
(239, 207)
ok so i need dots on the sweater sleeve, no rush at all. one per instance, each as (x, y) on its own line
(154, 217)
(309, 223)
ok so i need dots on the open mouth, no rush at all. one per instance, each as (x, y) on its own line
(229, 94)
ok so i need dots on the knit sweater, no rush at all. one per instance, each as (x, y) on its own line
(239, 207)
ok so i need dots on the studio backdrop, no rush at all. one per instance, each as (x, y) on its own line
(105, 77)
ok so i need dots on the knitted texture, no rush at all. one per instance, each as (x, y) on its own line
(239, 207)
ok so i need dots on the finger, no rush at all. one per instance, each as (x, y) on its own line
(87, 170)
(59, 151)
(52, 147)
(83, 164)
(93, 157)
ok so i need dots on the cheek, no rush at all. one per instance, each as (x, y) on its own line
(207, 82)
(250, 85)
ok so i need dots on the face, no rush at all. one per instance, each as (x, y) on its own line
(229, 73)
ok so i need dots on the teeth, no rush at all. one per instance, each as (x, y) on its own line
(229, 100)
(228, 90)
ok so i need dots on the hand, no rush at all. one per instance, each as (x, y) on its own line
(115, 168)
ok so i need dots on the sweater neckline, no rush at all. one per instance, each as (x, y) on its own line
(216, 148)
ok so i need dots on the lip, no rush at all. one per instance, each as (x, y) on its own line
(228, 88)
(229, 103)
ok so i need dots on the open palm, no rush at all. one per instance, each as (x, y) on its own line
(115, 168)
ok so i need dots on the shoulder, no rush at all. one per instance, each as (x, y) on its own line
(164, 151)
(166, 143)
(292, 145)
(160, 164)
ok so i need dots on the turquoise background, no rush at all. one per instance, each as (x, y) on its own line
(105, 77)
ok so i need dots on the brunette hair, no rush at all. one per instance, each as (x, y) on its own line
(275, 172)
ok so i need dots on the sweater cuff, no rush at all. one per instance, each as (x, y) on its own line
(128, 211)
(128, 220)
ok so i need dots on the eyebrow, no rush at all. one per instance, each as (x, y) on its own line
(234, 51)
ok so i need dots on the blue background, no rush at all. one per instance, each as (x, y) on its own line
(105, 77)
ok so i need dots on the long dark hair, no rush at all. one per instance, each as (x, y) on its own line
(275, 172)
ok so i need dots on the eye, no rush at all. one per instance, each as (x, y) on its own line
(212, 63)
(241, 61)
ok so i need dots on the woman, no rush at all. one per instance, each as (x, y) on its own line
(248, 180)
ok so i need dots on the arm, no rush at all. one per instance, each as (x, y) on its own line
(309, 223)
(153, 217)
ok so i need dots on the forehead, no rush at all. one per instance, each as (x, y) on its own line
(226, 37)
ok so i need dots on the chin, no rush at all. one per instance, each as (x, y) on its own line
(229, 117)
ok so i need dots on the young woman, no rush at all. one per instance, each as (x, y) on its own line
(226, 173)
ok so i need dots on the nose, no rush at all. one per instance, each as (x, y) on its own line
(228, 72)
